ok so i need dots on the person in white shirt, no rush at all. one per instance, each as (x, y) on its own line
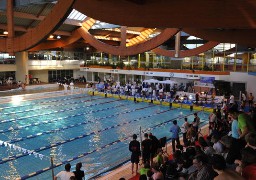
(212, 121)
(243, 101)
(231, 100)
(154, 94)
(133, 90)
(150, 91)
(161, 93)
(72, 87)
(157, 89)
(243, 97)
(217, 146)
(65, 88)
(65, 175)
(184, 130)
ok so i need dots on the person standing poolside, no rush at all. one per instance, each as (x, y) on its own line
(155, 146)
(212, 121)
(65, 88)
(175, 129)
(146, 146)
(65, 175)
(184, 130)
(243, 99)
(250, 100)
(196, 123)
(231, 100)
(72, 87)
(134, 147)
(232, 117)
(78, 173)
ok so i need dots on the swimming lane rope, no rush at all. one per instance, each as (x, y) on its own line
(95, 150)
(72, 139)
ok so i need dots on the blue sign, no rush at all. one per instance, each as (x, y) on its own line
(252, 73)
(207, 79)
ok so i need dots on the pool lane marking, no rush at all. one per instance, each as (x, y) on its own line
(61, 110)
(31, 96)
(75, 97)
(92, 151)
(95, 150)
(60, 129)
(47, 106)
(53, 120)
(82, 136)
(77, 157)
(85, 154)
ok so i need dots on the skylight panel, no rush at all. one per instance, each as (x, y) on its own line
(192, 38)
(224, 46)
(76, 15)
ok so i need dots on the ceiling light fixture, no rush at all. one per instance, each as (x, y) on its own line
(51, 36)
(5, 32)
(58, 37)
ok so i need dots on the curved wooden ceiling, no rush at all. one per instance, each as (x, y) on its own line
(224, 21)
(34, 35)
(239, 14)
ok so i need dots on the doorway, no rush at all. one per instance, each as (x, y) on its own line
(237, 87)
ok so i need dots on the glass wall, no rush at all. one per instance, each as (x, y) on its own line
(56, 75)
(5, 58)
(4, 76)
(56, 55)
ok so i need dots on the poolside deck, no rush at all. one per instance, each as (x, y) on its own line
(125, 171)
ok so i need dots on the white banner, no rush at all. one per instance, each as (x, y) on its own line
(198, 83)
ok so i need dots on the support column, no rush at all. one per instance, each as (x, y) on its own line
(177, 45)
(10, 27)
(203, 61)
(234, 68)
(101, 58)
(123, 36)
(212, 59)
(22, 66)
(118, 77)
(224, 57)
(245, 57)
(147, 59)
(247, 67)
(110, 58)
(139, 61)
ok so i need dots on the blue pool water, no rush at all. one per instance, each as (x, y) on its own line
(76, 128)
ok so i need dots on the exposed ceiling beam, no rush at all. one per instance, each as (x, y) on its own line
(193, 41)
(40, 18)
(239, 14)
(140, 2)
(16, 28)
(72, 22)
(62, 33)
(24, 29)
(38, 14)
(25, 16)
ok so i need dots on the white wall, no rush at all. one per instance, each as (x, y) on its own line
(41, 74)
(8, 67)
(249, 80)
(77, 73)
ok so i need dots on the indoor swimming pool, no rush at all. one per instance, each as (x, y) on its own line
(75, 128)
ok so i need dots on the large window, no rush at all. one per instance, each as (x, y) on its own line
(56, 75)
(7, 74)
(5, 58)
